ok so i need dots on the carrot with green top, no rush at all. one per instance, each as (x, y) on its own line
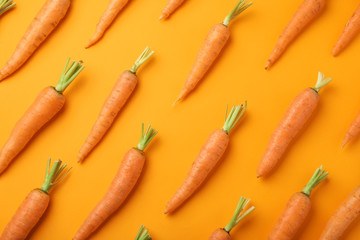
(143, 234)
(6, 5)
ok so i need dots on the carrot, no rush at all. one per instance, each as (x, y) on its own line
(119, 95)
(34, 205)
(292, 122)
(47, 104)
(353, 131)
(6, 5)
(124, 181)
(170, 8)
(143, 234)
(224, 233)
(52, 12)
(352, 28)
(297, 210)
(305, 14)
(206, 160)
(210, 49)
(345, 215)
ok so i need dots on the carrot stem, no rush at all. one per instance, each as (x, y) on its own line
(319, 176)
(234, 116)
(146, 137)
(6, 5)
(145, 55)
(239, 213)
(321, 82)
(239, 8)
(68, 75)
(143, 234)
(52, 175)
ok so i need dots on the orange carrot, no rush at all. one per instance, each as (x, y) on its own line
(117, 98)
(206, 160)
(304, 15)
(143, 234)
(170, 8)
(34, 205)
(292, 122)
(6, 5)
(351, 30)
(224, 233)
(40, 28)
(47, 104)
(297, 210)
(112, 10)
(346, 214)
(124, 181)
(353, 131)
(210, 50)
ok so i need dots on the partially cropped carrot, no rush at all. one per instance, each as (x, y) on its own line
(210, 49)
(206, 160)
(6, 5)
(47, 104)
(346, 214)
(353, 131)
(305, 14)
(143, 234)
(119, 95)
(240, 214)
(297, 210)
(351, 30)
(34, 206)
(292, 122)
(52, 12)
(123, 183)
(170, 8)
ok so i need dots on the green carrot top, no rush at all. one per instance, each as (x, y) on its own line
(143, 234)
(319, 176)
(145, 55)
(6, 5)
(146, 137)
(234, 116)
(68, 75)
(241, 6)
(321, 82)
(239, 214)
(52, 176)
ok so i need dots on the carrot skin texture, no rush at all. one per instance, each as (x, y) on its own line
(52, 12)
(118, 97)
(27, 216)
(347, 213)
(124, 181)
(47, 104)
(206, 160)
(170, 8)
(293, 120)
(353, 131)
(220, 234)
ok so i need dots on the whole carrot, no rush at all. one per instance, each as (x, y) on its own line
(143, 234)
(47, 104)
(170, 8)
(292, 122)
(305, 14)
(119, 95)
(206, 160)
(224, 233)
(6, 5)
(124, 181)
(52, 12)
(353, 131)
(34, 206)
(210, 50)
(297, 210)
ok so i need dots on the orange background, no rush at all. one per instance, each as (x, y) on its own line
(239, 75)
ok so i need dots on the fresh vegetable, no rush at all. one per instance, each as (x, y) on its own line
(170, 8)
(210, 50)
(353, 131)
(52, 12)
(117, 98)
(240, 214)
(292, 122)
(124, 181)
(305, 14)
(206, 160)
(6, 5)
(35, 204)
(143, 234)
(297, 210)
(47, 104)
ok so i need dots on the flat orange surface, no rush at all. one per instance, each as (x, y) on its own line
(238, 75)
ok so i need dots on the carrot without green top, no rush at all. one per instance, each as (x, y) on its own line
(47, 104)
(304, 15)
(292, 122)
(143, 234)
(170, 8)
(210, 50)
(35, 204)
(206, 160)
(297, 210)
(124, 181)
(353, 131)
(40, 28)
(6, 5)
(117, 98)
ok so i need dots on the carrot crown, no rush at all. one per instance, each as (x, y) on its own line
(52, 176)
(143, 234)
(145, 55)
(234, 116)
(239, 214)
(319, 176)
(6, 5)
(239, 8)
(68, 75)
(321, 82)
(146, 137)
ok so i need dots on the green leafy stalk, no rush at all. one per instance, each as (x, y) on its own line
(321, 81)
(52, 176)
(6, 5)
(68, 75)
(145, 55)
(146, 137)
(319, 176)
(143, 234)
(239, 213)
(234, 116)
(239, 8)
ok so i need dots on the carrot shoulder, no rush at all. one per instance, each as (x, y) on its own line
(6, 5)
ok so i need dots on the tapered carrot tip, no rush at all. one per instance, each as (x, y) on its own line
(163, 16)
(346, 140)
(335, 52)
(268, 64)
(93, 40)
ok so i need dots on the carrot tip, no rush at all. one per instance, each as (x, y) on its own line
(161, 17)
(267, 66)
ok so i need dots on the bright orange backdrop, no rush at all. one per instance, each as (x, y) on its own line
(239, 75)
